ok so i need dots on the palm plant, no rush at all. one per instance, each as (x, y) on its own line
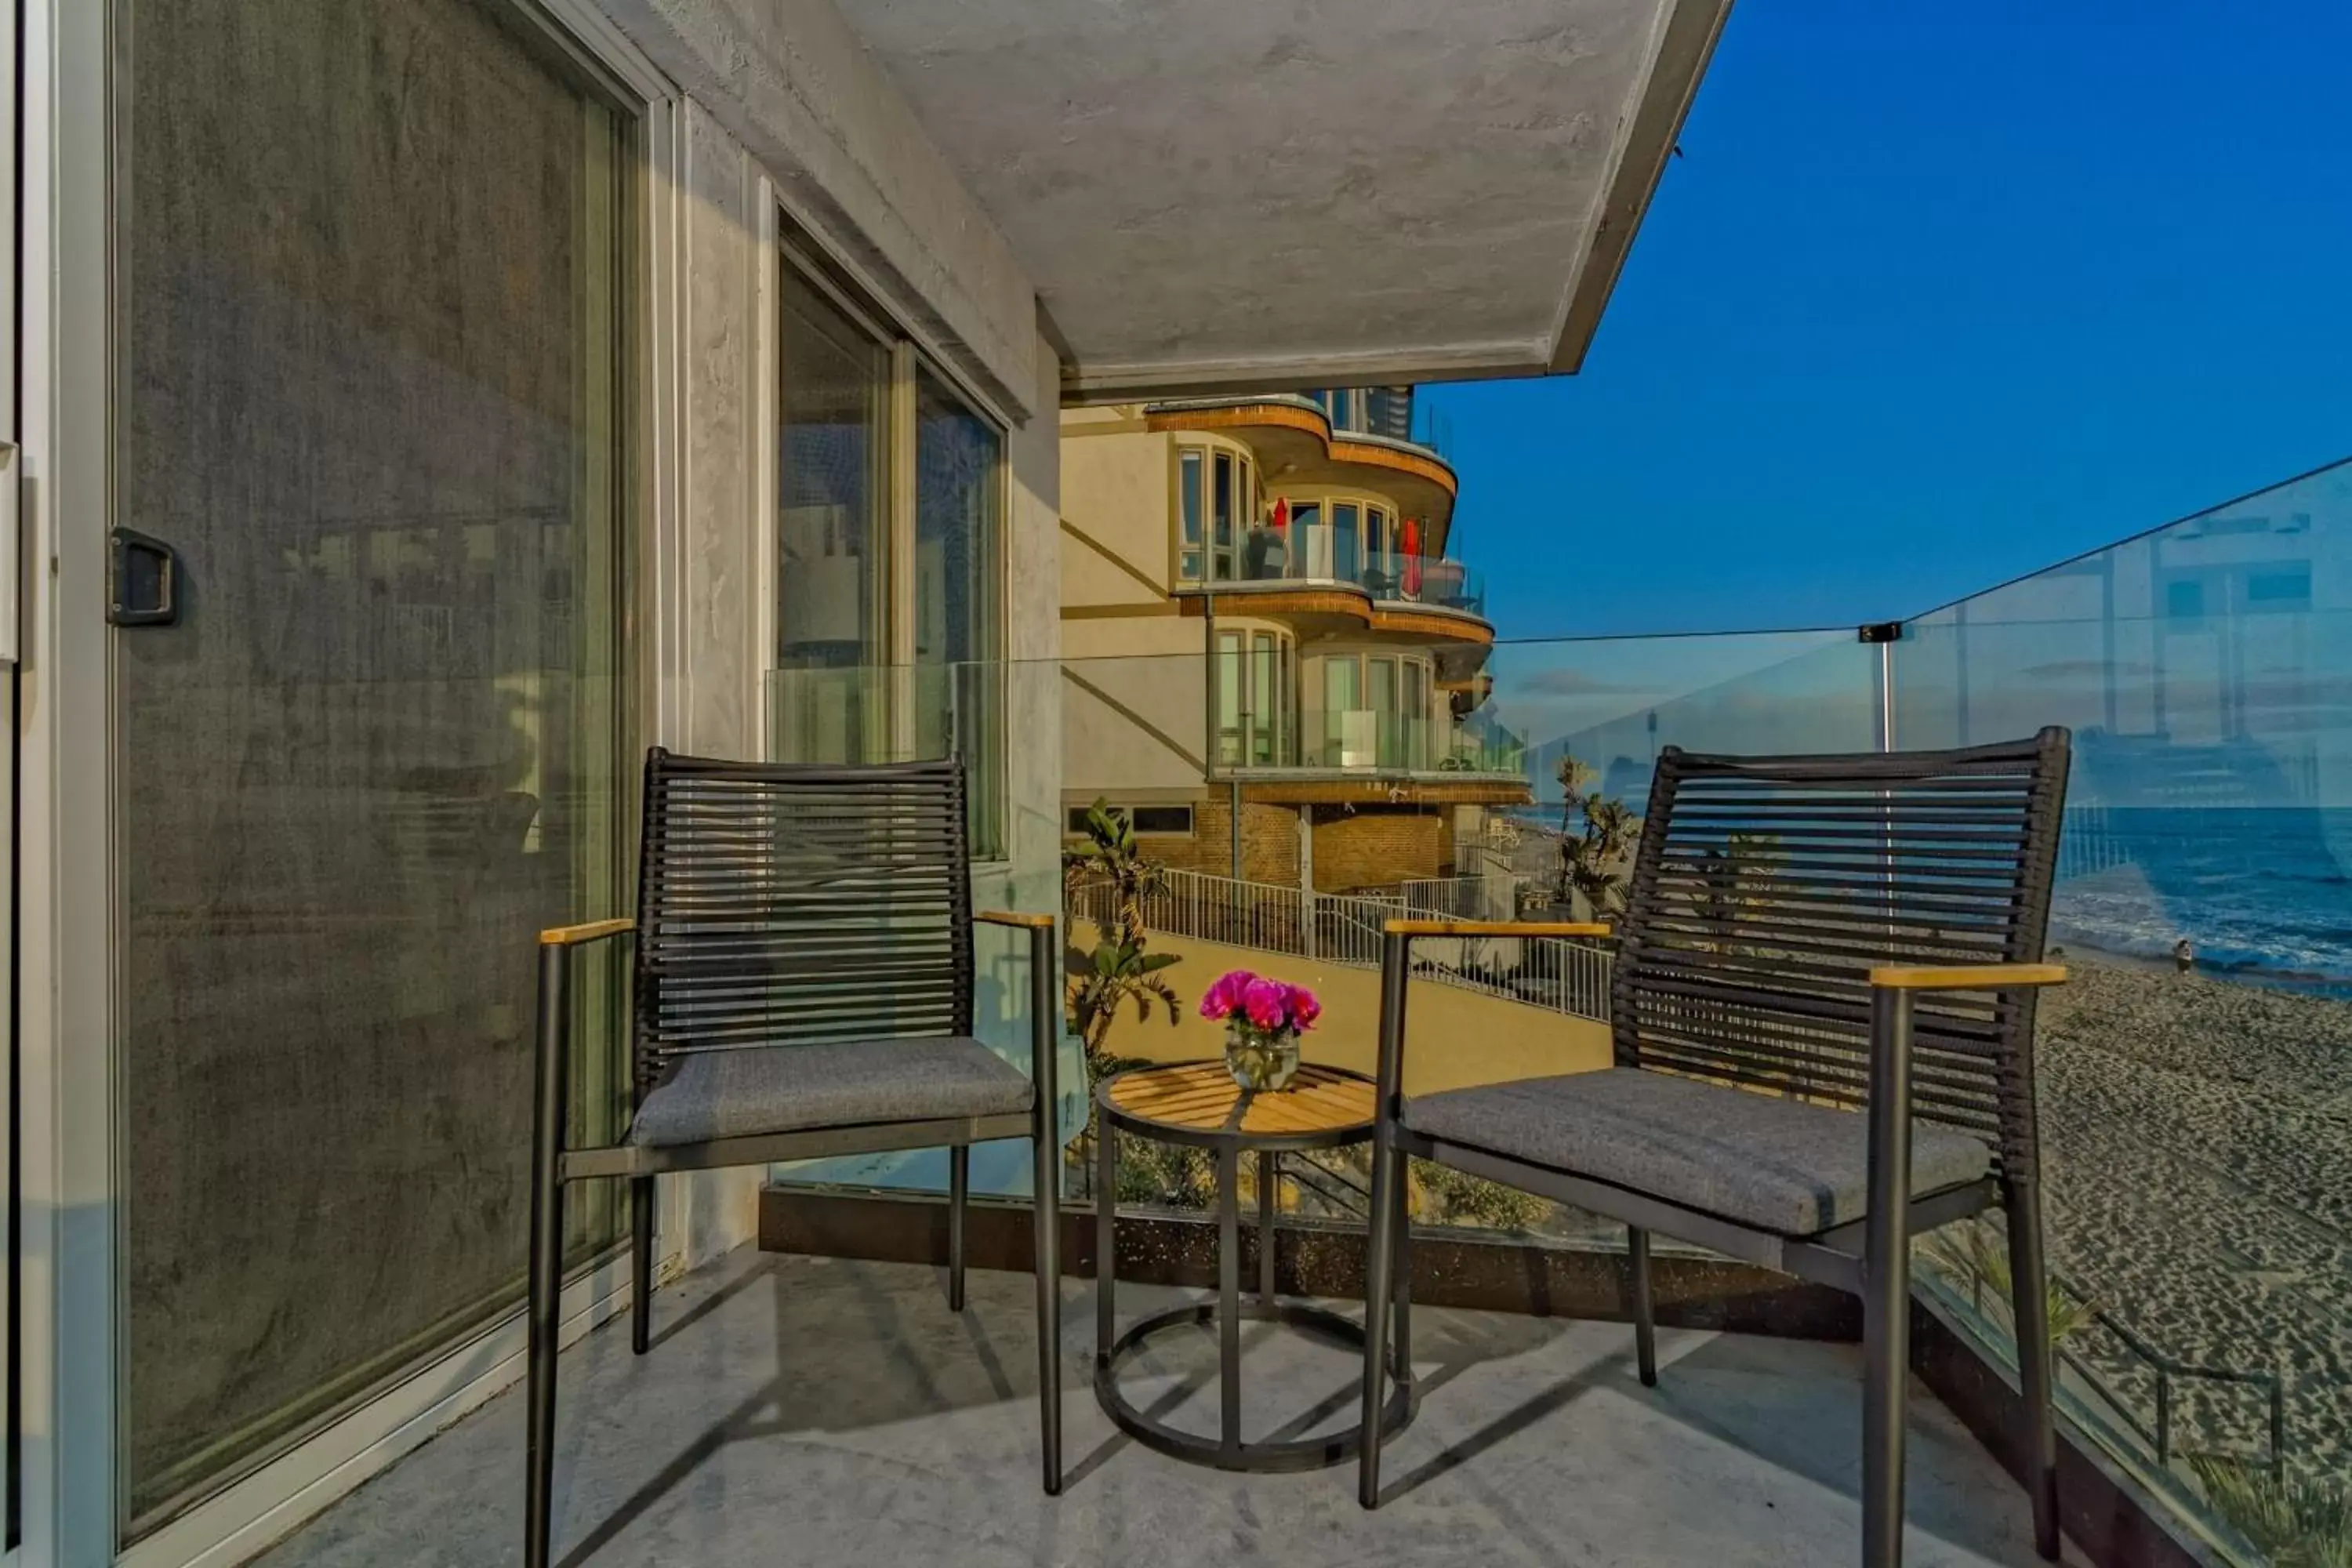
(1118, 971)
(2294, 1523)
(1597, 834)
(1974, 1257)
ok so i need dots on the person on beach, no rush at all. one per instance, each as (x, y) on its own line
(2184, 957)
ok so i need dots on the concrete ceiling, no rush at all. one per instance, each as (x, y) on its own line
(1237, 194)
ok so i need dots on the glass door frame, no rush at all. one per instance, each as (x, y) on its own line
(70, 1338)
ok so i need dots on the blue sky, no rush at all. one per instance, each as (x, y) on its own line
(1938, 294)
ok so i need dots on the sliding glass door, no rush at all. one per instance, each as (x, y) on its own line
(369, 688)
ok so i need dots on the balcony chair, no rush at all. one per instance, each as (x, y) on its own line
(1805, 938)
(804, 988)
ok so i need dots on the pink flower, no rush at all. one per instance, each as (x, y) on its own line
(1267, 1002)
(1224, 997)
(1304, 1008)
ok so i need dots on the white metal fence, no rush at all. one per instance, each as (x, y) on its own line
(1543, 972)
(1486, 897)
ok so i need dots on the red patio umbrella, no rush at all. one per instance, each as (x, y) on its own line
(1411, 555)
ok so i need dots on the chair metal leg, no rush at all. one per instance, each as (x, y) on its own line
(959, 1190)
(1645, 1314)
(1048, 1224)
(1105, 1240)
(2029, 1285)
(546, 1255)
(1045, 1015)
(1379, 1283)
(641, 1263)
(1385, 1218)
(1886, 1281)
(1269, 1179)
(1229, 1300)
(1401, 1272)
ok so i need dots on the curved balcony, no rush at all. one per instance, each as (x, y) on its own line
(1297, 446)
(1312, 570)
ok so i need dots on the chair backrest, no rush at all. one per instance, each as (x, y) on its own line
(790, 903)
(1765, 888)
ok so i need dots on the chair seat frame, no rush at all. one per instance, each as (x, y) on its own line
(1869, 1257)
(555, 1166)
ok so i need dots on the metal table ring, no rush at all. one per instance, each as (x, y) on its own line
(1197, 1103)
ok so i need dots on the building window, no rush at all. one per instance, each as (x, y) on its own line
(1344, 539)
(1189, 501)
(1146, 820)
(1217, 513)
(958, 676)
(888, 596)
(1368, 710)
(1347, 407)
(1256, 699)
(833, 406)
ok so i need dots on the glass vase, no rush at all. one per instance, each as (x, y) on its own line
(1261, 1060)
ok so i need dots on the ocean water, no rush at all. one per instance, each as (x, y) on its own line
(2263, 894)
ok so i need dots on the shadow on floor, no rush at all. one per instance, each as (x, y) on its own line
(814, 1411)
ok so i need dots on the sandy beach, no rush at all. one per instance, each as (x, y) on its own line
(2199, 1140)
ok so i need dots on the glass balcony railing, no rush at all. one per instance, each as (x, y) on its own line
(1366, 739)
(2193, 1074)
(1318, 554)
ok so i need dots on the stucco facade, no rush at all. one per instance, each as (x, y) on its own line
(1258, 611)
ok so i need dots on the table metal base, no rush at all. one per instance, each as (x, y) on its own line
(1228, 1452)
(1226, 1139)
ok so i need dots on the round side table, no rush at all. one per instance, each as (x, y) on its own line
(1198, 1103)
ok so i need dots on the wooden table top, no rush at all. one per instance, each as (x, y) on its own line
(1201, 1097)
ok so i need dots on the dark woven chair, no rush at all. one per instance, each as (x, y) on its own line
(804, 988)
(1805, 938)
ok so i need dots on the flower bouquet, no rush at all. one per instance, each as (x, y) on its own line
(1264, 1019)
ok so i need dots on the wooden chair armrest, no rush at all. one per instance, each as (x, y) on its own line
(1496, 927)
(1021, 918)
(591, 930)
(1966, 976)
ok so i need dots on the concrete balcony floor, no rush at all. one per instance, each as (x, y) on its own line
(804, 1411)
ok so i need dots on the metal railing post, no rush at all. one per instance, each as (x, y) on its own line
(2163, 1417)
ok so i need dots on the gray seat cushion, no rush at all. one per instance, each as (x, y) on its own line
(1777, 1165)
(791, 1088)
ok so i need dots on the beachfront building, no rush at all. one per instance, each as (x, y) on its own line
(1275, 657)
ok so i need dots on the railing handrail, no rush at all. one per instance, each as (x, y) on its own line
(1337, 928)
(2155, 1429)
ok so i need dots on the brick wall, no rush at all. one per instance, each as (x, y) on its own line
(1377, 847)
(1269, 842)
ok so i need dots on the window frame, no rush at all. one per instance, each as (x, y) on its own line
(796, 247)
(1229, 478)
(1411, 678)
(1379, 536)
(1252, 661)
(1074, 818)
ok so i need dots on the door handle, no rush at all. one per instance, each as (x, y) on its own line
(143, 587)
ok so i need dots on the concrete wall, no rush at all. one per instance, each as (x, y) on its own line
(1454, 1038)
(1115, 509)
(795, 88)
